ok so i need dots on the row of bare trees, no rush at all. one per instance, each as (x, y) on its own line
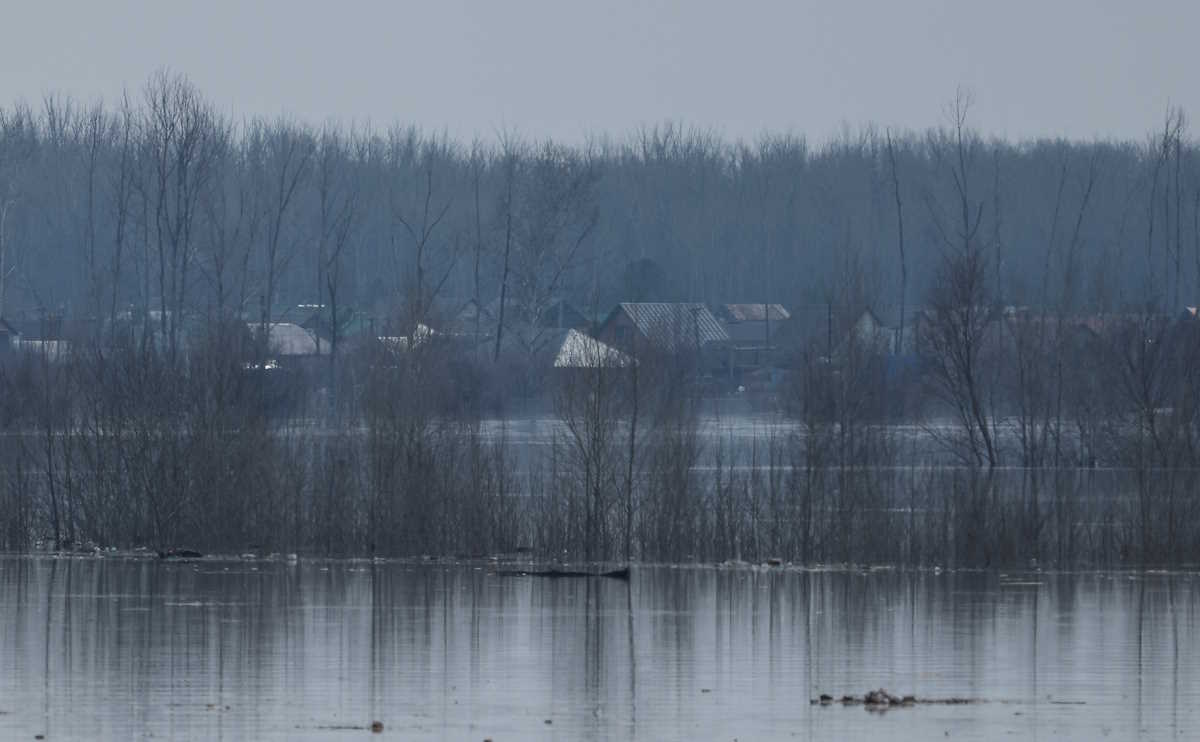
(163, 203)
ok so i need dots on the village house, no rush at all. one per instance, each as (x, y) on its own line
(286, 340)
(682, 330)
(318, 319)
(752, 329)
(870, 336)
(574, 349)
(50, 335)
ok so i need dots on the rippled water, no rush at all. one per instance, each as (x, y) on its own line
(125, 649)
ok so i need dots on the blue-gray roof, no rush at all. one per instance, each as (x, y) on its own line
(673, 326)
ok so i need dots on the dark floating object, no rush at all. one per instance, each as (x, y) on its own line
(377, 727)
(615, 574)
(179, 554)
(881, 700)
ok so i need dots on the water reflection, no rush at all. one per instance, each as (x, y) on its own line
(113, 649)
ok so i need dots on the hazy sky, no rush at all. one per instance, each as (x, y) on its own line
(568, 69)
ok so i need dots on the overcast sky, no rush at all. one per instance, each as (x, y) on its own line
(566, 69)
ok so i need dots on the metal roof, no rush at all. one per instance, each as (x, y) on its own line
(673, 326)
(752, 312)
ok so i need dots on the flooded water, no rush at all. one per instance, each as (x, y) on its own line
(115, 649)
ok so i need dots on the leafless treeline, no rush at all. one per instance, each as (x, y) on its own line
(162, 202)
(1047, 409)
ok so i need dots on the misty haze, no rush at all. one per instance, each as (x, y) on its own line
(319, 427)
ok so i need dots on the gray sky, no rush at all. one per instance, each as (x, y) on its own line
(567, 69)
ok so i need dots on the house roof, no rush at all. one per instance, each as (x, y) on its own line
(287, 339)
(577, 350)
(752, 312)
(675, 325)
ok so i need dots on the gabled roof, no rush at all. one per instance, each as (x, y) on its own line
(287, 339)
(577, 350)
(673, 326)
(752, 312)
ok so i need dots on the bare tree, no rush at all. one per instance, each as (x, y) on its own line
(121, 185)
(956, 330)
(1161, 147)
(478, 162)
(548, 220)
(895, 177)
(960, 312)
(283, 157)
(338, 213)
(181, 135)
(511, 156)
(432, 158)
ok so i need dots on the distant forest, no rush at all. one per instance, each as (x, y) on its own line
(162, 202)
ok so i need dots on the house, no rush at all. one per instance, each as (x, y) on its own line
(868, 335)
(685, 331)
(751, 324)
(528, 363)
(574, 349)
(463, 321)
(664, 327)
(288, 340)
(752, 329)
(49, 335)
(318, 319)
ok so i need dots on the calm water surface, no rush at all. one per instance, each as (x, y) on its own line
(115, 649)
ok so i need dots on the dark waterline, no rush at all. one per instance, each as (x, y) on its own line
(126, 649)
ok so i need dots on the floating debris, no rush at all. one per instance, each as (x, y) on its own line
(179, 554)
(616, 574)
(881, 700)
